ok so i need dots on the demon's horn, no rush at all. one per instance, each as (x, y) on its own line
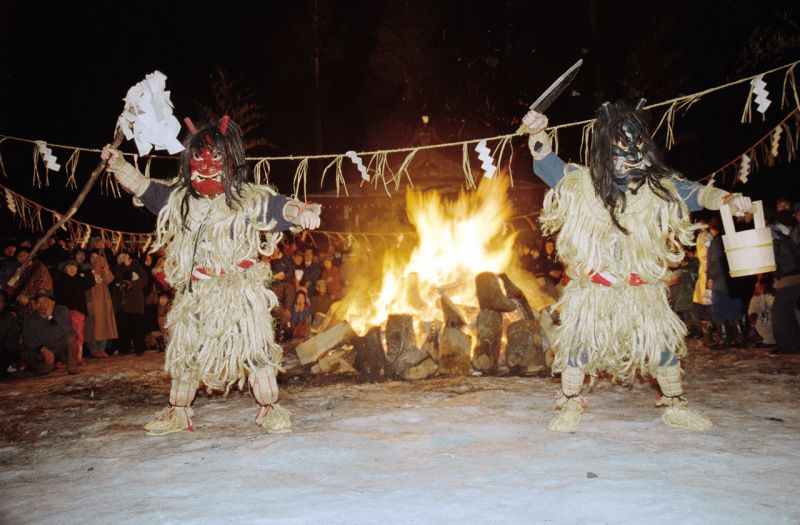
(607, 109)
(223, 124)
(640, 104)
(190, 125)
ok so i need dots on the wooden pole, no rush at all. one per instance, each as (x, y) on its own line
(118, 138)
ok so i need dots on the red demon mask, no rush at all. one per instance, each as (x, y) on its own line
(208, 171)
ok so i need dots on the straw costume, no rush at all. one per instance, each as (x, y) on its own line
(619, 223)
(210, 223)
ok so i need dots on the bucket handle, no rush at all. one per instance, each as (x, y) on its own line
(727, 218)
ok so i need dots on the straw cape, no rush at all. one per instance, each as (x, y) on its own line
(220, 327)
(624, 328)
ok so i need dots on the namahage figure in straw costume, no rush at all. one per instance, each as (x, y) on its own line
(619, 223)
(210, 222)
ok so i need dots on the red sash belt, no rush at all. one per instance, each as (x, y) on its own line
(202, 274)
(609, 279)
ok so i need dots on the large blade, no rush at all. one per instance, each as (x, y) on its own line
(556, 88)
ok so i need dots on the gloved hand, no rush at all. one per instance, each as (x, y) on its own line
(309, 219)
(539, 140)
(115, 162)
(534, 121)
(739, 204)
(303, 214)
(126, 174)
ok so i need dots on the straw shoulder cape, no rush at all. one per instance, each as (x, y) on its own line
(620, 329)
(220, 326)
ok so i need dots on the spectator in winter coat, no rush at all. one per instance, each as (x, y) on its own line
(321, 300)
(760, 311)
(11, 350)
(35, 277)
(787, 285)
(300, 320)
(101, 323)
(48, 332)
(332, 277)
(311, 270)
(71, 286)
(10, 263)
(725, 309)
(128, 295)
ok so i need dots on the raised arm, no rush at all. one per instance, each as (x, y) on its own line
(546, 164)
(154, 196)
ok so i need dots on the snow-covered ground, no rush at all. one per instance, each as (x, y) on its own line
(465, 450)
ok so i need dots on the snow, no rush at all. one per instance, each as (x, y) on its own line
(466, 450)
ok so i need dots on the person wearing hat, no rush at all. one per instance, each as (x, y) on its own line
(48, 332)
(71, 285)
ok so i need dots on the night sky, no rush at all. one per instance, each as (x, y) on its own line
(473, 67)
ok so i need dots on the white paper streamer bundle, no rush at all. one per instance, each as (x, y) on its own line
(353, 156)
(761, 93)
(485, 156)
(50, 161)
(147, 117)
(744, 168)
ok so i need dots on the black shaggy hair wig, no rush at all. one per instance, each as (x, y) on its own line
(225, 138)
(608, 128)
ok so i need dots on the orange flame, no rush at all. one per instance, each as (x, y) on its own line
(456, 241)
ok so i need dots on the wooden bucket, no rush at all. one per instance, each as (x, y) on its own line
(748, 251)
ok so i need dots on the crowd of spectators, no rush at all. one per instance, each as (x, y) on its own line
(306, 283)
(72, 303)
(759, 310)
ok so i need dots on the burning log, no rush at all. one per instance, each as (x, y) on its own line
(490, 294)
(516, 295)
(413, 297)
(370, 357)
(414, 364)
(400, 339)
(312, 349)
(524, 349)
(399, 335)
(452, 314)
(454, 349)
(423, 370)
(490, 334)
(430, 338)
(338, 361)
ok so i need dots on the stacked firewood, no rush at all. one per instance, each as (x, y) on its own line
(505, 334)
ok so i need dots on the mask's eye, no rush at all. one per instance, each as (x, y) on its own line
(217, 156)
(197, 157)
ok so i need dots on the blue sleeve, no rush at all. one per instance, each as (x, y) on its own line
(550, 169)
(156, 196)
(688, 192)
(273, 210)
